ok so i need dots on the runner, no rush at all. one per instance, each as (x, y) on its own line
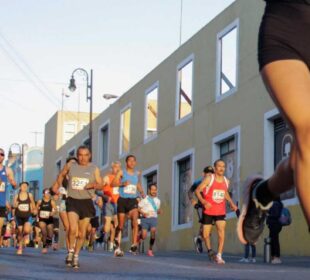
(24, 206)
(58, 200)
(83, 178)
(284, 63)
(199, 207)
(46, 210)
(110, 208)
(6, 176)
(215, 193)
(129, 182)
(149, 207)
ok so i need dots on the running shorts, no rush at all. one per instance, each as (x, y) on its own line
(210, 220)
(284, 33)
(148, 223)
(49, 221)
(125, 205)
(84, 208)
(20, 221)
(56, 223)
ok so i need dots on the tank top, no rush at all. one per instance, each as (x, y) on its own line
(23, 209)
(79, 177)
(215, 195)
(45, 209)
(3, 186)
(131, 190)
(111, 192)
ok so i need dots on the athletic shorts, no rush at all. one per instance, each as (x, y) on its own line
(210, 220)
(49, 221)
(84, 208)
(20, 221)
(62, 207)
(94, 222)
(284, 33)
(125, 205)
(109, 209)
(56, 223)
(2, 212)
(148, 223)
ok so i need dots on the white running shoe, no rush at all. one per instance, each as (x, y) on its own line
(244, 260)
(276, 261)
(219, 259)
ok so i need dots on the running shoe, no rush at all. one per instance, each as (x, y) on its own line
(253, 214)
(150, 253)
(276, 261)
(244, 260)
(219, 259)
(110, 247)
(198, 244)
(44, 250)
(118, 253)
(69, 259)
(19, 250)
(133, 249)
(253, 260)
(211, 255)
(75, 262)
(90, 248)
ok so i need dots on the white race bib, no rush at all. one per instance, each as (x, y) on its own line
(218, 196)
(2, 187)
(116, 191)
(130, 189)
(23, 207)
(45, 214)
(152, 214)
(79, 183)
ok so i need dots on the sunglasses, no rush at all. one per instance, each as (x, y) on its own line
(2, 154)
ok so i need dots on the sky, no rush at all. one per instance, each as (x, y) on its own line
(42, 42)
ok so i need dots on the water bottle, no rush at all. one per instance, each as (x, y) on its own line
(267, 250)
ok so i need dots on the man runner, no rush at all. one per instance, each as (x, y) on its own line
(129, 183)
(83, 178)
(215, 193)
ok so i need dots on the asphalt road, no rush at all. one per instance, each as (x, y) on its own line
(167, 265)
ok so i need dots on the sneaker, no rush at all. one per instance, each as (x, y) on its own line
(118, 253)
(253, 260)
(110, 247)
(211, 255)
(75, 262)
(90, 248)
(19, 250)
(244, 260)
(198, 244)
(276, 261)
(150, 253)
(69, 259)
(55, 246)
(133, 249)
(26, 239)
(44, 251)
(253, 214)
(219, 259)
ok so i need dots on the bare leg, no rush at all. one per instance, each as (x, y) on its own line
(220, 226)
(73, 229)
(83, 224)
(65, 221)
(134, 214)
(120, 228)
(206, 235)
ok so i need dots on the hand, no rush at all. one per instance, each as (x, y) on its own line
(194, 202)
(233, 207)
(126, 183)
(207, 205)
(159, 211)
(90, 186)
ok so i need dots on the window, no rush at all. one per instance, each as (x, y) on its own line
(72, 153)
(150, 177)
(227, 147)
(151, 112)
(69, 131)
(86, 143)
(182, 180)
(34, 189)
(104, 145)
(58, 166)
(184, 89)
(227, 60)
(125, 131)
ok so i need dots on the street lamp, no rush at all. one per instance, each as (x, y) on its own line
(109, 96)
(89, 96)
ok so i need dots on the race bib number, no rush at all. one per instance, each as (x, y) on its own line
(23, 207)
(116, 191)
(130, 189)
(44, 214)
(2, 187)
(79, 183)
(218, 196)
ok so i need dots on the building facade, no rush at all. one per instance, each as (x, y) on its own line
(205, 101)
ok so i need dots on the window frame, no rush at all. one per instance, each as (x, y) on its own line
(175, 189)
(99, 158)
(75, 130)
(218, 95)
(150, 170)
(124, 109)
(70, 150)
(56, 163)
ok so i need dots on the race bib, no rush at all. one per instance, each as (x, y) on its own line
(2, 187)
(116, 191)
(23, 207)
(44, 214)
(218, 196)
(130, 189)
(79, 183)
(152, 214)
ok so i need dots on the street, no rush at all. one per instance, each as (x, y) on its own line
(166, 265)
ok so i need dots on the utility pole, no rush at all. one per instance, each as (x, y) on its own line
(36, 133)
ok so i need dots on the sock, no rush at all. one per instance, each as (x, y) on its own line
(76, 256)
(263, 194)
(56, 236)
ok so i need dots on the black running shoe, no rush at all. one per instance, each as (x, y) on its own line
(75, 262)
(211, 255)
(198, 244)
(69, 259)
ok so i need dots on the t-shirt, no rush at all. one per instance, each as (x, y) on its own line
(147, 207)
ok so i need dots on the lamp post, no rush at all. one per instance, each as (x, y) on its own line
(89, 96)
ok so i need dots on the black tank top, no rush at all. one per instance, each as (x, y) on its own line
(23, 209)
(45, 209)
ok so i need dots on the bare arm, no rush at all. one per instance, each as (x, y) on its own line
(233, 206)
(32, 204)
(97, 185)
(61, 177)
(205, 182)
(15, 204)
(11, 179)
(117, 180)
(139, 185)
(54, 208)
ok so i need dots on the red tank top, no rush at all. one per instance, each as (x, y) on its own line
(215, 195)
(110, 191)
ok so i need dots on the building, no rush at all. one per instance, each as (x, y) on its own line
(205, 101)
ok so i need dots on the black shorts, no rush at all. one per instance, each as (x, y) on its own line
(284, 33)
(84, 208)
(49, 221)
(94, 222)
(2, 212)
(56, 223)
(20, 221)
(211, 220)
(125, 205)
